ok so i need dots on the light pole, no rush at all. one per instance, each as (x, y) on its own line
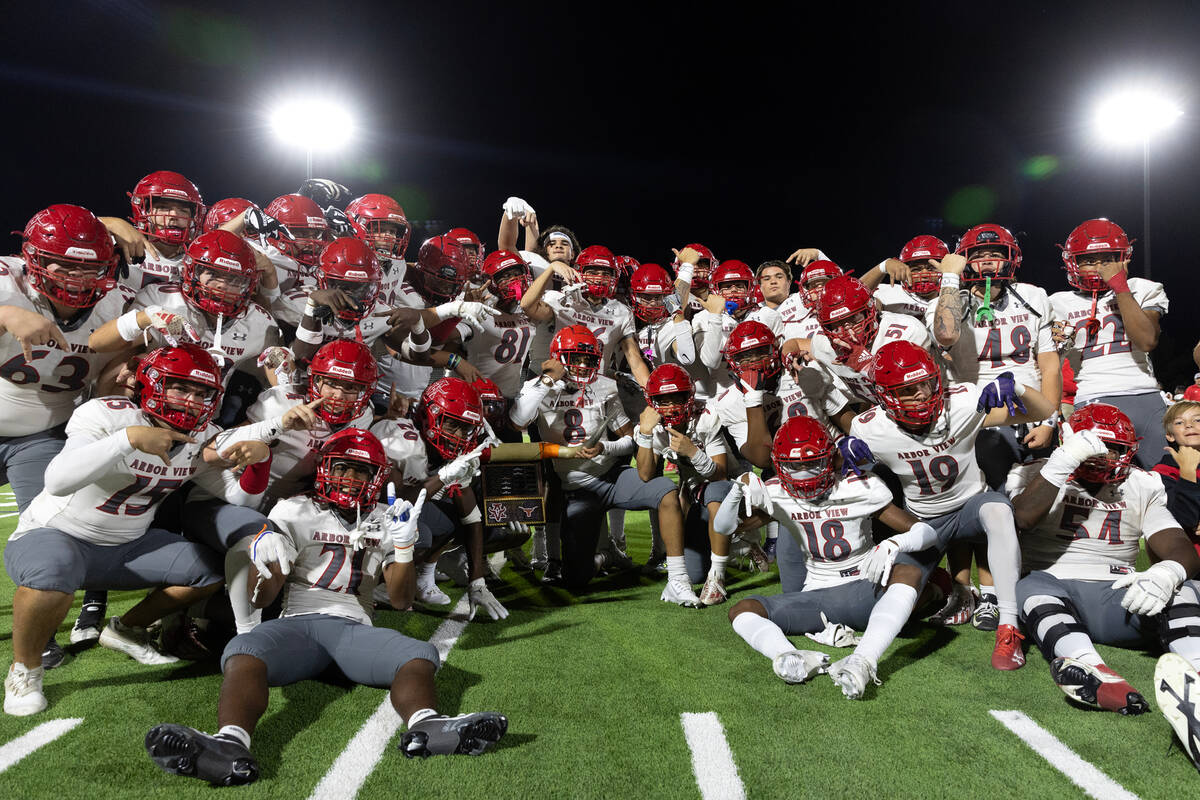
(1133, 116)
(312, 124)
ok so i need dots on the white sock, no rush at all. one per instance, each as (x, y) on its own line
(1186, 646)
(677, 568)
(424, 713)
(238, 569)
(616, 527)
(763, 635)
(717, 570)
(235, 732)
(1076, 645)
(773, 529)
(887, 618)
(539, 544)
(986, 590)
(1004, 556)
(425, 573)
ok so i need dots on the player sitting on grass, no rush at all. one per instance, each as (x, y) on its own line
(333, 546)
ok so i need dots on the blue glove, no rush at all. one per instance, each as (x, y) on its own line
(854, 452)
(1001, 392)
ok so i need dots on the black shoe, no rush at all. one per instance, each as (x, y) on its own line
(53, 655)
(92, 618)
(553, 573)
(187, 751)
(466, 734)
(986, 616)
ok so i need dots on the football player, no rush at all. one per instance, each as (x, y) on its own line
(694, 265)
(664, 334)
(774, 281)
(913, 278)
(333, 546)
(1083, 512)
(1111, 326)
(380, 222)
(301, 235)
(168, 212)
(925, 434)
(731, 284)
(91, 524)
(827, 520)
(799, 310)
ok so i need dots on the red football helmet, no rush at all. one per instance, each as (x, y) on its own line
(166, 185)
(751, 348)
(908, 384)
(989, 237)
(305, 220)
(1093, 236)
(354, 449)
(380, 222)
(626, 266)
(704, 266)
(916, 253)
(159, 376)
(222, 211)
(450, 414)
(472, 245)
(443, 268)
(802, 454)
(352, 266)
(1116, 431)
(219, 275)
(579, 351)
(69, 256)
(648, 286)
(726, 281)
(813, 280)
(670, 391)
(598, 266)
(508, 275)
(347, 362)
(848, 312)
(494, 403)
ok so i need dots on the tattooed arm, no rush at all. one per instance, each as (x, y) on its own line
(948, 314)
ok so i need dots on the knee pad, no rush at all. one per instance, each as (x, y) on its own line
(1041, 607)
(1180, 619)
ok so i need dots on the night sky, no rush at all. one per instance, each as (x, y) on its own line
(750, 129)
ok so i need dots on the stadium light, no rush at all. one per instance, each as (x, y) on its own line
(1134, 116)
(312, 124)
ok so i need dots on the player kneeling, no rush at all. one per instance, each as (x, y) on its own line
(1089, 489)
(332, 547)
(829, 518)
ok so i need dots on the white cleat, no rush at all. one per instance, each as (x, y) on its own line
(1176, 688)
(23, 691)
(797, 666)
(431, 595)
(852, 674)
(714, 592)
(133, 642)
(680, 592)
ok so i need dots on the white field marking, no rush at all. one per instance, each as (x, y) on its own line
(712, 761)
(1082, 773)
(42, 735)
(351, 769)
(13, 514)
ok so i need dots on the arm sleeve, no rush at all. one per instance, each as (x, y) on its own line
(91, 451)
(710, 344)
(525, 406)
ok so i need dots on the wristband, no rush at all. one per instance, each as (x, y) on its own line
(310, 308)
(643, 439)
(128, 327)
(950, 280)
(271, 295)
(1019, 389)
(703, 464)
(472, 518)
(882, 267)
(454, 361)
(685, 273)
(404, 553)
(309, 337)
(1118, 283)
(419, 328)
(753, 398)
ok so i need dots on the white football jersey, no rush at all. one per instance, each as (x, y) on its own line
(730, 407)
(704, 429)
(1009, 343)
(655, 342)
(40, 394)
(1095, 537)
(815, 394)
(571, 417)
(242, 339)
(498, 347)
(118, 507)
(938, 470)
(154, 269)
(834, 531)
(1108, 363)
(405, 449)
(611, 321)
(892, 328)
(798, 322)
(338, 564)
(894, 298)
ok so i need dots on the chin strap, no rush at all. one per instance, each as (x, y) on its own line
(1092, 323)
(985, 313)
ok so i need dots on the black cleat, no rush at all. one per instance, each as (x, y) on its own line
(53, 655)
(187, 751)
(464, 735)
(92, 618)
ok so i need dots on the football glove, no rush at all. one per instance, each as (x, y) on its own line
(1149, 592)
(462, 470)
(835, 634)
(271, 547)
(261, 224)
(854, 451)
(1002, 392)
(170, 325)
(465, 310)
(401, 523)
(339, 223)
(878, 565)
(516, 208)
(1074, 450)
(325, 192)
(480, 595)
(756, 495)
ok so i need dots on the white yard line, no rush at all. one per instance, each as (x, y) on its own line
(42, 735)
(712, 761)
(1082, 773)
(352, 768)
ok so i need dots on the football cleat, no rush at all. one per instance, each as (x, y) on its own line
(454, 565)
(186, 751)
(986, 616)
(133, 642)
(553, 571)
(714, 592)
(517, 558)
(797, 666)
(758, 557)
(959, 607)
(680, 592)
(91, 620)
(1008, 654)
(23, 691)
(464, 735)
(428, 594)
(852, 674)
(1097, 687)
(1176, 688)
(769, 548)
(53, 656)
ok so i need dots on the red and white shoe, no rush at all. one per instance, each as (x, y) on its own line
(1008, 653)
(1097, 687)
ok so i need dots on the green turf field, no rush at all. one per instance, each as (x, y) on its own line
(594, 688)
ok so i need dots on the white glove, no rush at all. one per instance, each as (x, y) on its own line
(518, 528)
(1150, 591)
(516, 208)
(170, 325)
(401, 523)
(756, 495)
(576, 292)
(878, 565)
(462, 470)
(1074, 450)
(271, 547)
(480, 595)
(465, 309)
(835, 635)
(822, 349)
